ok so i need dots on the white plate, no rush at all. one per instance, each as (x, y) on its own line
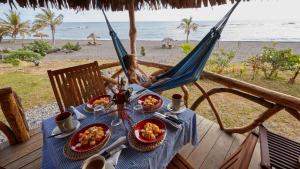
(56, 130)
(169, 107)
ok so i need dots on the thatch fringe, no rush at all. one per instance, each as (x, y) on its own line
(115, 5)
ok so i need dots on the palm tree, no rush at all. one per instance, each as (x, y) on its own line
(48, 18)
(188, 25)
(13, 25)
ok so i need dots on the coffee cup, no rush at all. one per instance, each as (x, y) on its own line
(64, 121)
(177, 102)
(94, 162)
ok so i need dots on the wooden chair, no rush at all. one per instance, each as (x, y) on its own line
(277, 151)
(178, 162)
(74, 86)
(240, 159)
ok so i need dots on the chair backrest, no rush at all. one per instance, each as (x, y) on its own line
(74, 86)
(242, 156)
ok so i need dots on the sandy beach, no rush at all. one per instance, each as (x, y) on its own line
(153, 50)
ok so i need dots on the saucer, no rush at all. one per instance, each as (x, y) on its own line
(181, 109)
(109, 166)
(56, 130)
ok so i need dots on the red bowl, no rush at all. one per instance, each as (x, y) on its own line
(75, 139)
(90, 105)
(140, 125)
(151, 108)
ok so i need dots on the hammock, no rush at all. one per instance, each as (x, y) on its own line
(188, 69)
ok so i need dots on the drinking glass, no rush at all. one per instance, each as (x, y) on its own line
(138, 110)
(98, 110)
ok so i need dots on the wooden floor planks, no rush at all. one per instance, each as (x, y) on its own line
(215, 145)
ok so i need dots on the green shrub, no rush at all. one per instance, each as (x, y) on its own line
(14, 57)
(143, 53)
(39, 46)
(187, 47)
(13, 61)
(295, 67)
(220, 60)
(71, 46)
(274, 60)
(255, 63)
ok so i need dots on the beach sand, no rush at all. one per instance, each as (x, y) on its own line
(153, 50)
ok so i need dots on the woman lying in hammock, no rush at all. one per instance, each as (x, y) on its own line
(135, 74)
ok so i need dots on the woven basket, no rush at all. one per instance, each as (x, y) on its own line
(135, 144)
(70, 154)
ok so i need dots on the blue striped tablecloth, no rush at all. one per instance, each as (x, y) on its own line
(53, 157)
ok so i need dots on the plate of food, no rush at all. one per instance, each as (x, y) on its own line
(103, 100)
(149, 130)
(150, 102)
(90, 138)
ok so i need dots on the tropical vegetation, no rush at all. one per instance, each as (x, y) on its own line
(48, 18)
(71, 46)
(12, 25)
(188, 26)
(39, 46)
(14, 57)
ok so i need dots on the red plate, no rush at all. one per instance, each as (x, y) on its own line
(75, 139)
(140, 125)
(90, 105)
(151, 108)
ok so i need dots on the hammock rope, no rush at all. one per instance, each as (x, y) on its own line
(190, 67)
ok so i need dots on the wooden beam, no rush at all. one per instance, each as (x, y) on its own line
(8, 133)
(270, 95)
(132, 31)
(14, 114)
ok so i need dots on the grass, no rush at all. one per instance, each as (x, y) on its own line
(33, 86)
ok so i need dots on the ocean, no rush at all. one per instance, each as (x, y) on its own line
(234, 30)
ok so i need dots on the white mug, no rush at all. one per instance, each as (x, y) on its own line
(94, 162)
(177, 102)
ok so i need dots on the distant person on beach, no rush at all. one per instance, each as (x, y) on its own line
(135, 74)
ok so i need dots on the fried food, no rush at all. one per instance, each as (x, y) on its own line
(150, 101)
(150, 131)
(104, 101)
(90, 136)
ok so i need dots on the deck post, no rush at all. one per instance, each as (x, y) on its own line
(14, 114)
(132, 31)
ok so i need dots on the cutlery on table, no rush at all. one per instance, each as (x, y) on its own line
(62, 133)
(107, 154)
(173, 122)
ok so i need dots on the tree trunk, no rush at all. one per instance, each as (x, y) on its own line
(293, 79)
(187, 37)
(132, 31)
(14, 38)
(1, 37)
(53, 32)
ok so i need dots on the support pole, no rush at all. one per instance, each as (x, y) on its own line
(132, 31)
(14, 114)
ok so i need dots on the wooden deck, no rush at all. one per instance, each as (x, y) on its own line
(214, 147)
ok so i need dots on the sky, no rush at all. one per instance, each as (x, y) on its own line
(284, 10)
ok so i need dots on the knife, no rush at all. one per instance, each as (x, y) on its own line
(108, 154)
(61, 133)
(169, 118)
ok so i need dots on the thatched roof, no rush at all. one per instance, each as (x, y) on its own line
(115, 5)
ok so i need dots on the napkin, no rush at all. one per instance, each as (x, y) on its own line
(79, 116)
(114, 158)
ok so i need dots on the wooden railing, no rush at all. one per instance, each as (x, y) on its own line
(272, 100)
